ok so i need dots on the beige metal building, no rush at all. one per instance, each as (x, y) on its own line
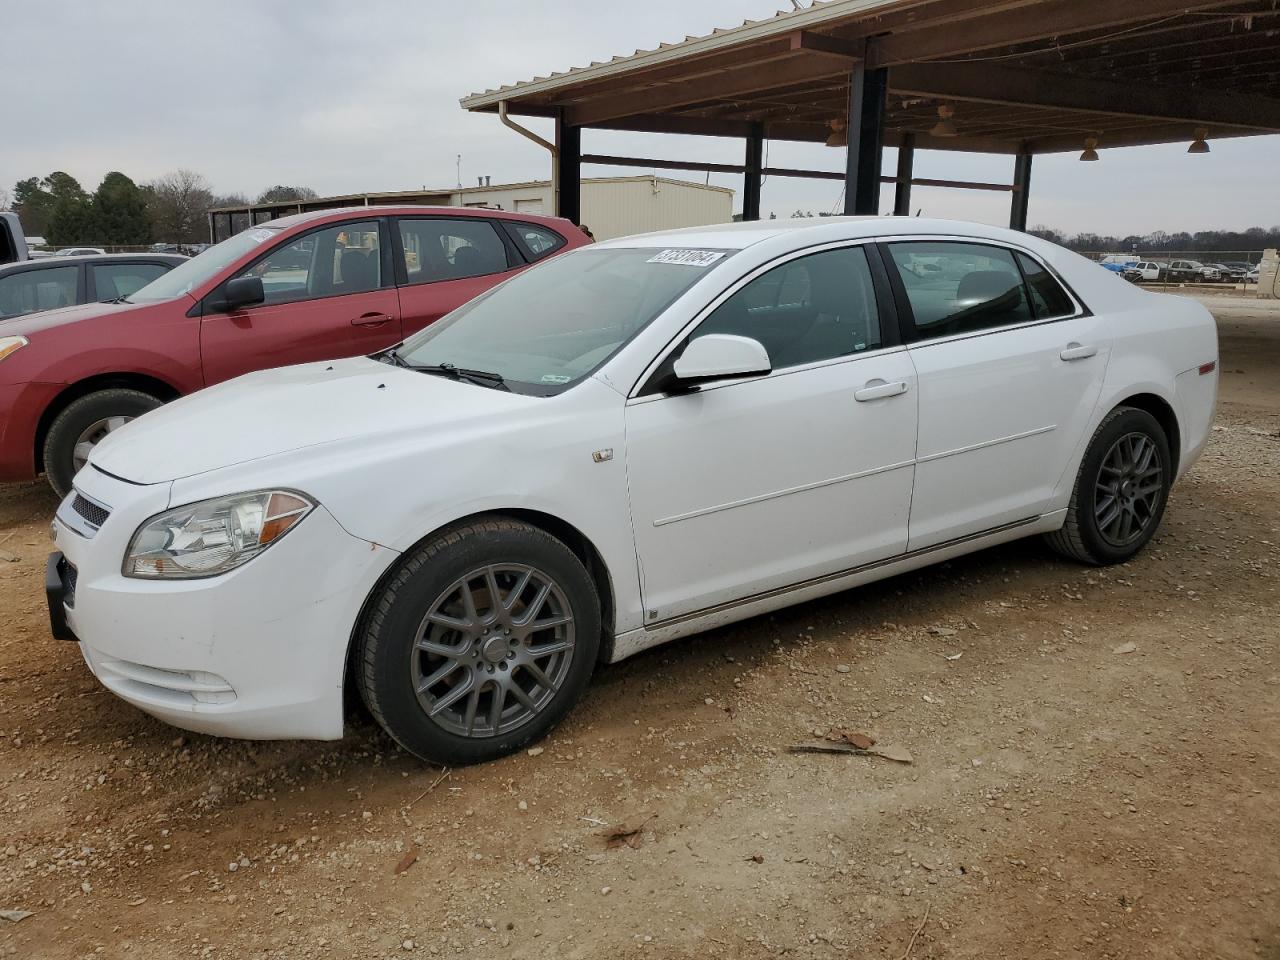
(611, 206)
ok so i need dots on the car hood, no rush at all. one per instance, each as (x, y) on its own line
(30, 323)
(276, 411)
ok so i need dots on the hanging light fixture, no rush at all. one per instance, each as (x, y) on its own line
(839, 133)
(945, 128)
(1090, 154)
(1199, 144)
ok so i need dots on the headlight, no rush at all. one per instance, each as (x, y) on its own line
(10, 345)
(213, 536)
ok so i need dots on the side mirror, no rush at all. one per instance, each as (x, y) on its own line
(237, 293)
(721, 356)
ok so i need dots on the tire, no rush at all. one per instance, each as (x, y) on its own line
(1093, 534)
(94, 413)
(422, 652)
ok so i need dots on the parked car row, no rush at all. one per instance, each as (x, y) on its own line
(1190, 271)
(630, 443)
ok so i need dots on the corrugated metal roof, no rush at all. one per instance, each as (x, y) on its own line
(819, 13)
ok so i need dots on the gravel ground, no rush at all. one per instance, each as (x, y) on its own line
(1095, 760)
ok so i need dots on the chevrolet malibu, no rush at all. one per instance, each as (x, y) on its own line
(632, 442)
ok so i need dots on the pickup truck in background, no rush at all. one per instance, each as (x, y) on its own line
(1147, 271)
(13, 242)
(1193, 271)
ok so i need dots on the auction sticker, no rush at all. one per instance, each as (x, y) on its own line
(689, 258)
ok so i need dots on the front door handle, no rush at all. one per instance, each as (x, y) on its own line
(878, 390)
(1078, 351)
(371, 320)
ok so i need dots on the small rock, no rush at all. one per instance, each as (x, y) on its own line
(605, 891)
(535, 751)
(942, 631)
(408, 945)
(843, 668)
(14, 916)
(1129, 647)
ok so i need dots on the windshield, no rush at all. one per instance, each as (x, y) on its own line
(547, 328)
(192, 273)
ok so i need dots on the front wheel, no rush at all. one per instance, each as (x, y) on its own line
(1120, 492)
(82, 425)
(480, 643)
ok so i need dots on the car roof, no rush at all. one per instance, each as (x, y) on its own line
(739, 236)
(49, 263)
(346, 213)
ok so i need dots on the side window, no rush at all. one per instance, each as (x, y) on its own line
(34, 290)
(812, 308)
(443, 249)
(960, 287)
(1048, 298)
(332, 262)
(114, 280)
(539, 241)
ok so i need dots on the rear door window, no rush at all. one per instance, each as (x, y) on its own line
(33, 290)
(955, 288)
(443, 248)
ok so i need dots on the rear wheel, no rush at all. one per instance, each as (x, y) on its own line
(480, 643)
(1120, 492)
(82, 425)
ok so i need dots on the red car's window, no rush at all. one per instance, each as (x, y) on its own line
(440, 248)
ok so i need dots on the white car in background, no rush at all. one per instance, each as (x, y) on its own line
(634, 442)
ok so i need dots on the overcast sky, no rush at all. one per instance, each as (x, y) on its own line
(348, 97)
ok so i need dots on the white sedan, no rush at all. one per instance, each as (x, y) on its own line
(633, 442)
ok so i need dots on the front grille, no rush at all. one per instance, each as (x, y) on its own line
(69, 576)
(93, 513)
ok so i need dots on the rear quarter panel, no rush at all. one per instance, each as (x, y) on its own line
(1159, 344)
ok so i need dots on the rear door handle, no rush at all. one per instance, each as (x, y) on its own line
(371, 320)
(878, 390)
(1078, 351)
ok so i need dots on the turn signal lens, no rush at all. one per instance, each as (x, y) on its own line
(10, 345)
(213, 536)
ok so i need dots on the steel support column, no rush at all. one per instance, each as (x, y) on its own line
(751, 177)
(568, 172)
(867, 89)
(1021, 192)
(906, 170)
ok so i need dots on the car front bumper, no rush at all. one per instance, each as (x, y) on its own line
(257, 653)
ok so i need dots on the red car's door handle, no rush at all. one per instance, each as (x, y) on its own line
(371, 320)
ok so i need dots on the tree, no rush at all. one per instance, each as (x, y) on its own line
(71, 217)
(120, 208)
(34, 205)
(6, 199)
(178, 203)
(283, 194)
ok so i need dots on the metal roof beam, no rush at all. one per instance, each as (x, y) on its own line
(1042, 21)
(724, 85)
(1016, 86)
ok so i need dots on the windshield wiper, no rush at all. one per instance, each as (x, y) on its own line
(482, 377)
(396, 359)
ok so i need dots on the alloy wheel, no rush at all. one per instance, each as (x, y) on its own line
(493, 650)
(1128, 490)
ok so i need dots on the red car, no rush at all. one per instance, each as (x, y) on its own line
(317, 286)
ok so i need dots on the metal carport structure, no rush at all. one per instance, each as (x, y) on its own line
(1017, 77)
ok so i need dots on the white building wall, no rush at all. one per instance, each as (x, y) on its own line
(617, 206)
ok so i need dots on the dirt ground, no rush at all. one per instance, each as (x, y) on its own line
(1067, 798)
